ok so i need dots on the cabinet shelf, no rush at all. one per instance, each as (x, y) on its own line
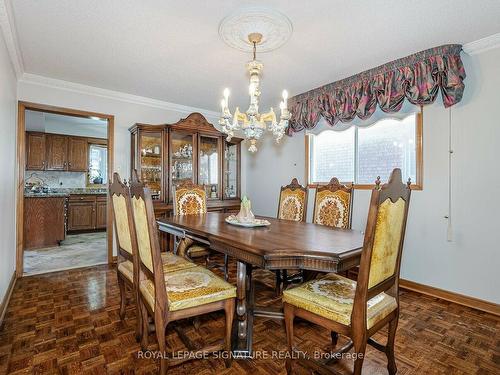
(207, 150)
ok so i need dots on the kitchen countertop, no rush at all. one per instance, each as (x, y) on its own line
(65, 192)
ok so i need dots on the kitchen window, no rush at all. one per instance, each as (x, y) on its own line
(361, 153)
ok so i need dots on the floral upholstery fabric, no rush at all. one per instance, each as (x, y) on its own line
(173, 263)
(142, 232)
(386, 242)
(126, 268)
(332, 297)
(189, 288)
(121, 222)
(190, 201)
(332, 208)
(292, 204)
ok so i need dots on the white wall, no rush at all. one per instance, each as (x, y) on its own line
(467, 265)
(8, 111)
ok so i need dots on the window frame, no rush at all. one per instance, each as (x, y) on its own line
(415, 185)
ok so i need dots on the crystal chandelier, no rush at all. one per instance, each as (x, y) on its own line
(253, 123)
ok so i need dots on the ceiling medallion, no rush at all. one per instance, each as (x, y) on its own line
(255, 24)
(274, 26)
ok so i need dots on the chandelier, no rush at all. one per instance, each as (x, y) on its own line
(251, 122)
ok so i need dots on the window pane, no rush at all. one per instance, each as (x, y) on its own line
(386, 145)
(332, 155)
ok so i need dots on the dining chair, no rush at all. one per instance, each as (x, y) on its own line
(359, 309)
(333, 205)
(126, 269)
(128, 258)
(170, 296)
(292, 205)
(191, 199)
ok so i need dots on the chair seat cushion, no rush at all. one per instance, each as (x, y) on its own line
(126, 268)
(196, 251)
(189, 288)
(172, 262)
(332, 297)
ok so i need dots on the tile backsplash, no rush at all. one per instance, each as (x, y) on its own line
(56, 179)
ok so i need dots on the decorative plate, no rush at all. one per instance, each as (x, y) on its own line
(255, 223)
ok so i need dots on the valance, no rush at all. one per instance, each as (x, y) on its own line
(418, 78)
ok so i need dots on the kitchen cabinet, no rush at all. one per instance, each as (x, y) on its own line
(87, 212)
(101, 214)
(56, 150)
(77, 154)
(35, 151)
(44, 219)
(191, 149)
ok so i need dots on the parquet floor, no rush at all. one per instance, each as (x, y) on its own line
(67, 323)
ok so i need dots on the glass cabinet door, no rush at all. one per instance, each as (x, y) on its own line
(150, 163)
(231, 163)
(208, 165)
(181, 162)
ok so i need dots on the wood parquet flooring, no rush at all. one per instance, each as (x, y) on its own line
(67, 323)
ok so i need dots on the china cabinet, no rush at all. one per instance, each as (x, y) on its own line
(191, 149)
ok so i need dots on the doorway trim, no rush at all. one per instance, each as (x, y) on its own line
(21, 161)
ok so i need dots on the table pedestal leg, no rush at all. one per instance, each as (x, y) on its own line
(243, 340)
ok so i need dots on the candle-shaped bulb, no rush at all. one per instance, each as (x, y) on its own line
(251, 89)
(282, 105)
(226, 93)
(285, 95)
(223, 104)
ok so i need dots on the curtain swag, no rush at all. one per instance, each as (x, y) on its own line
(417, 77)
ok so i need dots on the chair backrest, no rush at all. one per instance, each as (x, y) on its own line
(189, 199)
(383, 243)
(333, 205)
(292, 203)
(124, 226)
(150, 263)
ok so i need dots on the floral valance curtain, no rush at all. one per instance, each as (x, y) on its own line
(417, 78)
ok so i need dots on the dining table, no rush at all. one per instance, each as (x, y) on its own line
(281, 245)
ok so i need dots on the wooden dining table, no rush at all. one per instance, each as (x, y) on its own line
(281, 245)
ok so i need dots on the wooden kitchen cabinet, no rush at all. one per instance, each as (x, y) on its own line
(35, 151)
(86, 212)
(56, 149)
(77, 154)
(43, 221)
(81, 216)
(101, 213)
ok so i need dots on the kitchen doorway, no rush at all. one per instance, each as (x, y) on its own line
(65, 159)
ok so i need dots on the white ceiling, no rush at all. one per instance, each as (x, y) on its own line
(171, 50)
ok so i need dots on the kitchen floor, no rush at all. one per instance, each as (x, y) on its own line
(77, 250)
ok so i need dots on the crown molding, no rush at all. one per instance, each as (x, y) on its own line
(111, 94)
(482, 45)
(10, 36)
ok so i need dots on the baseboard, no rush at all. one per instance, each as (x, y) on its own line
(472, 302)
(6, 298)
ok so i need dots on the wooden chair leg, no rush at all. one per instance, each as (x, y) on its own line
(335, 338)
(123, 296)
(160, 327)
(229, 311)
(145, 327)
(226, 265)
(139, 325)
(278, 283)
(359, 349)
(289, 316)
(389, 348)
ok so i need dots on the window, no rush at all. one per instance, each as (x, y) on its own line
(98, 164)
(360, 154)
